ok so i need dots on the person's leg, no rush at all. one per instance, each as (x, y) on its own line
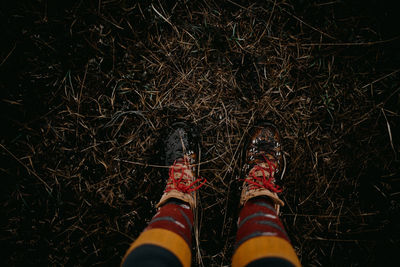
(167, 240)
(261, 239)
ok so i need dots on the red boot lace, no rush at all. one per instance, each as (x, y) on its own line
(257, 181)
(180, 182)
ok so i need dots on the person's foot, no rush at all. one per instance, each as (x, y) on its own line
(181, 147)
(262, 164)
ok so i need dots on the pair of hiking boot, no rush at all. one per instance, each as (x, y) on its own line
(262, 163)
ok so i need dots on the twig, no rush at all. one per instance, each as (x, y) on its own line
(305, 23)
(230, 164)
(166, 167)
(380, 79)
(27, 168)
(9, 53)
(390, 133)
(165, 19)
(196, 224)
(346, 44)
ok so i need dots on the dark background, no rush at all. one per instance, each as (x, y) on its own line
(88, 86)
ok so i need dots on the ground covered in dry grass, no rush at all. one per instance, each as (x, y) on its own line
(87, 87)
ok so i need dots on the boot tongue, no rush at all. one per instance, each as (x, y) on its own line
(260, 159)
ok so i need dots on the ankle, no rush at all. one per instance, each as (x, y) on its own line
(265, 199)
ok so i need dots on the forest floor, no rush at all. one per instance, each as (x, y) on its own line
(87, 87)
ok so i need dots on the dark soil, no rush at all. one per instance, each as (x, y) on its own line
(88, 86)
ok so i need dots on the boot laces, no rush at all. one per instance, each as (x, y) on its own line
(258, 177)
(182, 183)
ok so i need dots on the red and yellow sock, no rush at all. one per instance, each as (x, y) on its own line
(261, 238)
(167, 239)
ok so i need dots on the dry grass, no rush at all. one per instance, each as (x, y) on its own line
(87, 88)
